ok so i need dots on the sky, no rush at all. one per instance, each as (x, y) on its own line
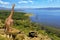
(30, 3)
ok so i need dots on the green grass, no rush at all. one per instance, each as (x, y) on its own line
(54, 37)
(3, 38)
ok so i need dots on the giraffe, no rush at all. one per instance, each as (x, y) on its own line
(9, 20)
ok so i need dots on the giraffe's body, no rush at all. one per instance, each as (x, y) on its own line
(8, 23)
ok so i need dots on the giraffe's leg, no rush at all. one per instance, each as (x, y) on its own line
(7, 31)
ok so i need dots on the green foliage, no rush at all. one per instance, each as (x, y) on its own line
(51, 30)
(1, 24)
(54, 37)
(3, 38)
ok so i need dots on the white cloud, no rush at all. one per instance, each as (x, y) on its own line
(23, 2)
(51, 0)
(29, 1)
(2, 2)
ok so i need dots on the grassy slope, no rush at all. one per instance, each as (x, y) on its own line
(23, 23)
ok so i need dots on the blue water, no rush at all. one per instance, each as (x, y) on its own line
(45, 17)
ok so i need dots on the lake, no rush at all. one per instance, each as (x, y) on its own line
(45, 17)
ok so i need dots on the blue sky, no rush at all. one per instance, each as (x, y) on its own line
(30, 3)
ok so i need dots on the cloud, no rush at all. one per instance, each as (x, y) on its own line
(28, 1)
(2, 2)
(51, 0)
(23, 2)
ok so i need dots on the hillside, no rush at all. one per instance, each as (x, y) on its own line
(24, 24)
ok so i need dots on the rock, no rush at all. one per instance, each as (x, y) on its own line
(32, 34)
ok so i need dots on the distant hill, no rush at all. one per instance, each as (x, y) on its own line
(2, 8)
(16, 9)
(42, 8)
(49, 8)
(19, 9)
(22, 9)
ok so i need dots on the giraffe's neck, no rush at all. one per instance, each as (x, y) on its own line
(11, 14)
(12, 11)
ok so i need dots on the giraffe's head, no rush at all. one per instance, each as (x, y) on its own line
(13, 5)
